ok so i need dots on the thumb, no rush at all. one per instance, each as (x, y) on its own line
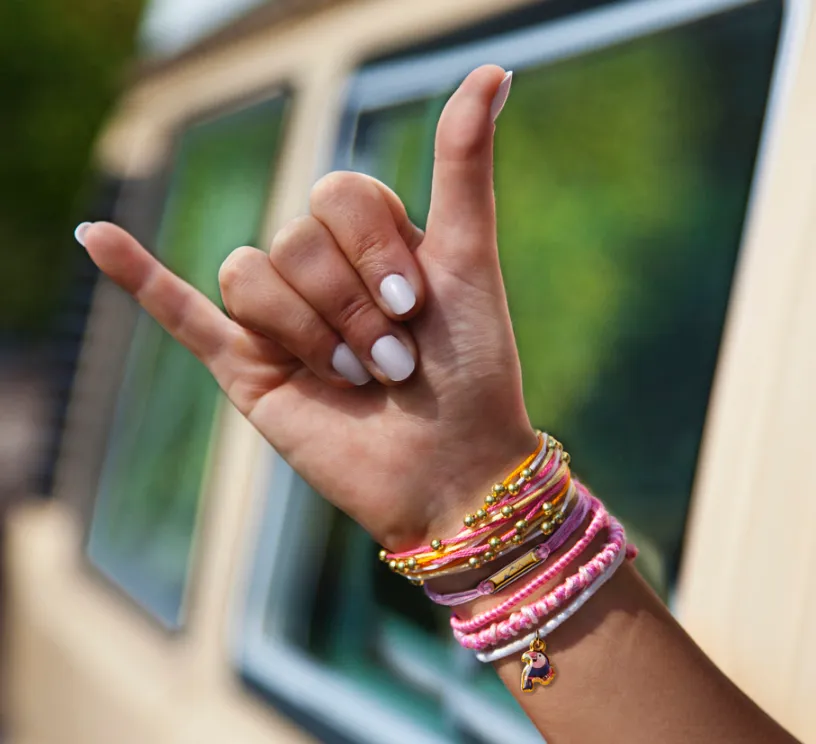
(462, 216)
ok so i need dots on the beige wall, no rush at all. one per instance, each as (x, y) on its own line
(88, 669)
(749, 574)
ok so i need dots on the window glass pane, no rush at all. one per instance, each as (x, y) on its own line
(144, 519)
(622, 178)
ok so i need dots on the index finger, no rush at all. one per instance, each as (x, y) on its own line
(183, 311)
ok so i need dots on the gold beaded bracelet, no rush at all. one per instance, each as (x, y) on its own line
(541, 525)
(501, 502)
(499, 518)
(524, 530)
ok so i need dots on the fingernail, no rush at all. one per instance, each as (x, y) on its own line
(393, 358)
(347, 365)
(500, 98)
(397, 293)
(80, 231)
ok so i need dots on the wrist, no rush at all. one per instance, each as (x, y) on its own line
(463, 490)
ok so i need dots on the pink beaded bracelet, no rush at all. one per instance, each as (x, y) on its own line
(530, 615)
(599, 521)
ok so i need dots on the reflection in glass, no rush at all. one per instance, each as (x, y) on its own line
(144, 520)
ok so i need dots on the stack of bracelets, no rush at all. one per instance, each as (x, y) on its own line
(540, 505)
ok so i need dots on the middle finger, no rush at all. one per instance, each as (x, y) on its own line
(357, 213)
(306, 255)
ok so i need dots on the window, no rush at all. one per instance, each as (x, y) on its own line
(143, 525)
(624, 164)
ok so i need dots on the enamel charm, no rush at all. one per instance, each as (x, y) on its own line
(537, 667)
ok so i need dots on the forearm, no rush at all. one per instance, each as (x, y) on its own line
(627, 672)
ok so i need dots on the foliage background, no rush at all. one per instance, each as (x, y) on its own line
(61, 66)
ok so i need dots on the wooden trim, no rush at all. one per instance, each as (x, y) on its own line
(252, 22)
(748, 584)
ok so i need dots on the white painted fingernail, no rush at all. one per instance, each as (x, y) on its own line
(80, 231)
(347, 365)
(393, 358)
(500, 98)
(397, 293)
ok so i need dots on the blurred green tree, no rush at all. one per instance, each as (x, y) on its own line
(61, 65)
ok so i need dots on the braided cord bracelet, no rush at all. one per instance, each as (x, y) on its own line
(599, 521)
(530, 615)
(558, 619)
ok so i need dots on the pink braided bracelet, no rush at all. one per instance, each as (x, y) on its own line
(599, 521)
(530, 615)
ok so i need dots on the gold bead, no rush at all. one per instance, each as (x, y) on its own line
(392, 565)
(411, 563)
(513, 489)
(481, 514)
(565, 458)
(521, 525)
(473, 562)
(547, 527)
(560, 518)
(526, 473)
(552, 443)
(383, 555)
(469, 520)
(401, 566)
(489, 555)
(517, 539)
(498, 489)
(490, 499)
(547, 507)
(495, 542)
(436, 544)
(507, 511)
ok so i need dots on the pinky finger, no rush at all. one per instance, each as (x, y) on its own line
(181, 309)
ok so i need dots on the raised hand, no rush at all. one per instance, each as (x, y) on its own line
(354, 291)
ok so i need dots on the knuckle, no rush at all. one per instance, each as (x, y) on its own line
(234, 269)
(353, 311)
(313, 341)
(292, 235)
(335, 187)
(369, 247)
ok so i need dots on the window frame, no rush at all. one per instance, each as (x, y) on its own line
(109, 340)
(273, 663)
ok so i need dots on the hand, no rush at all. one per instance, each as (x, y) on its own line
(406, 459)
